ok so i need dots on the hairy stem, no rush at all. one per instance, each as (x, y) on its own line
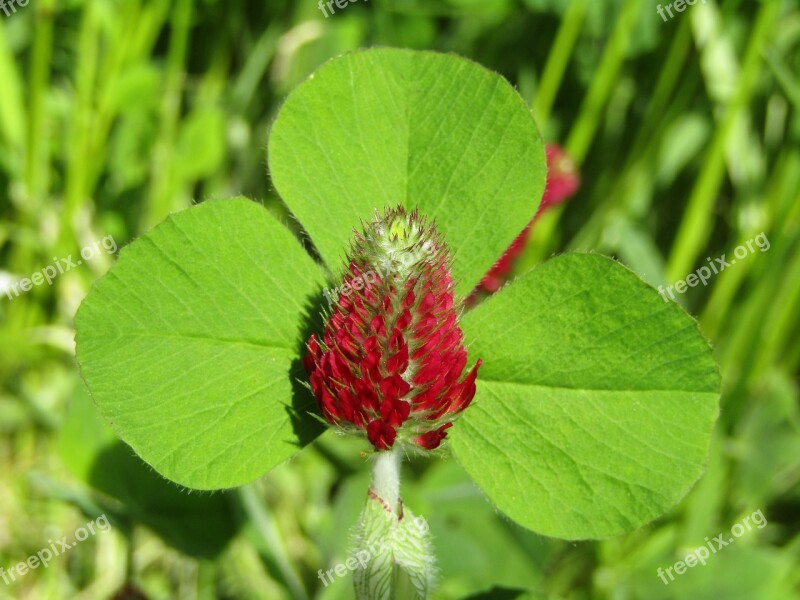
(386, 479)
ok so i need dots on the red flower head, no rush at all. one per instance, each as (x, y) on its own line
(563, 181)
(392, 355)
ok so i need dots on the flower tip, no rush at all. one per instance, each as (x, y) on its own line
(312, 355)
(381, 434)
(433, 439)
(563, 179)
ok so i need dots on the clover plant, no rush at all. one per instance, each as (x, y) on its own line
(577, 399)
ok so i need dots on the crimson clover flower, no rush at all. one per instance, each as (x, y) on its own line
(391, 358)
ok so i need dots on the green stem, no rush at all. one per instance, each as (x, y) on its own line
(784, 181)
(395, 559)
(36, 172)
(695, 227)
(582, 134)
(273, 549)
(644, 153)
(160, 201)
(583, 131)
(557, 61)
(83, 117)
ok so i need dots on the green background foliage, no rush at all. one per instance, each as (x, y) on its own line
(114, 114)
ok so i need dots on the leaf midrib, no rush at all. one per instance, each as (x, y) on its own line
(581, 389)
(142, 334)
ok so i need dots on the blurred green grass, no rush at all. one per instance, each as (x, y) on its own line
(687, 133)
